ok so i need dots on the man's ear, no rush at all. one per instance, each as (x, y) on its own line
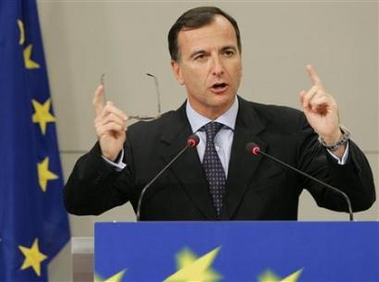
(177, 72)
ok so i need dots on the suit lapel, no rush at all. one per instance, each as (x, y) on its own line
(242, 165)
(187, 169)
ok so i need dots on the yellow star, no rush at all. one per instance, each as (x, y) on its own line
(184, 258)
(115, 278)
(33, 257)
(270, 276)
(193, 269)
(42, 114)
(44, 174)
(22, 31)
(29, 63)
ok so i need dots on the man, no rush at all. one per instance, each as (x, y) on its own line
(205, 48)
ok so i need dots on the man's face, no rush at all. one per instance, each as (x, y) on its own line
(209, 66)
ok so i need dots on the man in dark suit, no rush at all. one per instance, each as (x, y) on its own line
(205, 48)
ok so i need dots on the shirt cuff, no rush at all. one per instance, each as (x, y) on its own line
(343, 160)
(118, 165)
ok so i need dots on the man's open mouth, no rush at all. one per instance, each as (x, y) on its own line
(219, 86)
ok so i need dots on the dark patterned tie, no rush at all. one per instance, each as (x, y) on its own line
(214, 171)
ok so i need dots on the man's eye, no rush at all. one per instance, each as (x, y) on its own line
(228, 53)
(200, 57)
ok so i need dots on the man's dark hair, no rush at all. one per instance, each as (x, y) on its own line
(196, 18)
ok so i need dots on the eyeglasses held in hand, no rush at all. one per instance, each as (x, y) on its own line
(138, 117)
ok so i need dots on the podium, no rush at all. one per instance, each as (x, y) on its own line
(237, 251)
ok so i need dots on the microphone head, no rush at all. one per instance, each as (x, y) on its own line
(193, 141)
(252, 148)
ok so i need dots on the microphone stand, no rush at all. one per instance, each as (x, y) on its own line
(192, 141)
(256, 150)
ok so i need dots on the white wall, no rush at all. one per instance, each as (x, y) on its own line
(126, 39)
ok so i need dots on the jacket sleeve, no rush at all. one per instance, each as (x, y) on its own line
(94, 186)
(353, 178)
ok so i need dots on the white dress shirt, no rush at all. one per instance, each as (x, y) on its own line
(223, 139)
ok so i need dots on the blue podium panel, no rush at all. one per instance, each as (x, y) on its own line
(237, 251)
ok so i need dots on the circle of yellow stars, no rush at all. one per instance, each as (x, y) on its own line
(192, 268)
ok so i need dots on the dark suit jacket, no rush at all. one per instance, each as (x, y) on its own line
(256, 189)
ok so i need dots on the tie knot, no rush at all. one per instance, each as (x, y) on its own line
(211, 129)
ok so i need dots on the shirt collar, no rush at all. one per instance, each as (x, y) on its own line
(197, 121)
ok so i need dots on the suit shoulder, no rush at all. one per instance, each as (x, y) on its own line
(274, 111)
(165, 122)
(276, 117)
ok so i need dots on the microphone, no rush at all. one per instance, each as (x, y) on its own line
(192, 141)
(255, 150)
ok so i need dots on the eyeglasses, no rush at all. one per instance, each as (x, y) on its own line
(139, 117)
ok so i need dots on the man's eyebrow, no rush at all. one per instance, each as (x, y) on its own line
(228, 47)
(201, 51)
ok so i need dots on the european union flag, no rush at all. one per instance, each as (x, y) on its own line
(33, 222)
(238, 251)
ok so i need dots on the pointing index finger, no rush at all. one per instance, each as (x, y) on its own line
(314, 77)
(97, 99)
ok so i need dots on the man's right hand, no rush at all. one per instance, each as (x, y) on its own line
(110, 126)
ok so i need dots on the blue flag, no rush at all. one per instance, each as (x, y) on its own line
(33, 222)
(238, 251)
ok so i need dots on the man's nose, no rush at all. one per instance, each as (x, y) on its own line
(217, 66)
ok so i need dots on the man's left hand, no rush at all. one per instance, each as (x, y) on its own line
(321, 110)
